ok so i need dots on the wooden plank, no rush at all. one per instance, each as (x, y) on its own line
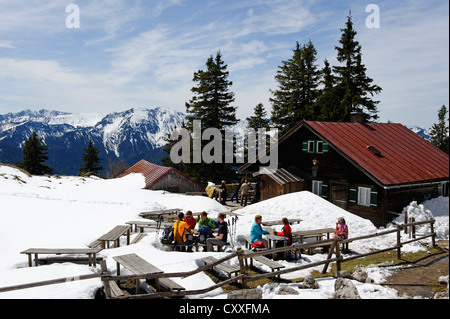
(270, 263)
(225, 267)
(115, 233)
(169, 284)
(138, 238)
(115, 289)
(60, 251)
(137, 265)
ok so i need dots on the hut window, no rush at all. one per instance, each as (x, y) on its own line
(316, 147)
(317, 188)
(364, 196)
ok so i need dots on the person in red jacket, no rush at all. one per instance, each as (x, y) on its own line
(286, 232)
(190, 220)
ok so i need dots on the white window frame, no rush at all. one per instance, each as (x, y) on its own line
(317, 147)
(311, 146)
(317, 188)
(364, 194)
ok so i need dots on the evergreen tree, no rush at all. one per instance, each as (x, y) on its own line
(259, 119)
(439, 131)
(34, 156)
(91, 160)
(295, 97)
(328, 104)
(211, 103)
(355, 87)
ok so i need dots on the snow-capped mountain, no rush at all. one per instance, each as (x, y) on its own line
(130, 135)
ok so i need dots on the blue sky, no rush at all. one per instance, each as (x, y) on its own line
(143, 53)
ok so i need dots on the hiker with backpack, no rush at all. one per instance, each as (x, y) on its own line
(182, 233)
(222, 234)
(205, 227)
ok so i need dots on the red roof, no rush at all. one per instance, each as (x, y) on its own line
(152, 172)
(391, 153)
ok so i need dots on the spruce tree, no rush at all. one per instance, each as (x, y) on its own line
(259, 119)
(295, 97)
(91, 160)
(211, 103)
(34, 156)
(355, 87)
(439, 131)
(328, 102)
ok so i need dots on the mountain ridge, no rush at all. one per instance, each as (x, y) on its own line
(129, 136)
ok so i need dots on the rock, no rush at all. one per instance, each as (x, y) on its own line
(360, 274)
(345, 289)
(344, 274)
(245, 294)
(286, 290)
(443, 280)
(310, 283)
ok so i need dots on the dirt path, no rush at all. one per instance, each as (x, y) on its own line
(421, 278)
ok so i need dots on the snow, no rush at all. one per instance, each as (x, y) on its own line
(72, 212)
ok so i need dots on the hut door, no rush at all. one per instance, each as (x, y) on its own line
(339, 195)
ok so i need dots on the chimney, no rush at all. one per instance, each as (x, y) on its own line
(355, 117)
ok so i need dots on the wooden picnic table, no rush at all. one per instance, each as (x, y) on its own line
(91, 252)
(279, 222)
(318, 233)
(114, 235)
(135, 223)
(139, 266)
(157, 213)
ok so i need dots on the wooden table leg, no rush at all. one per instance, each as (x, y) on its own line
(30, 261)
(36, 260)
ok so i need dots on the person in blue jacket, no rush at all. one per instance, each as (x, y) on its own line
(257, 231)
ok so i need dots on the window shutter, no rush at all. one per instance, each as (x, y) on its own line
(373, 198)
(324, 190)
(353, 195)
(305, 146)
(325, 148)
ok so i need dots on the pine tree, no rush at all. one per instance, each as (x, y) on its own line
(295, 97)
(439, 131)
(91, 160)
(259, 119)
(355, 87)
(211, 104)
(34, 156)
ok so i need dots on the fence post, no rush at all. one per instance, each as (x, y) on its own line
(240, 255)
(413, 228)
(338, 256)
(399, 244)
(433, 238)
(405, 221)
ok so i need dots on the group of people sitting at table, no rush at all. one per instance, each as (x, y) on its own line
(184, 228)
(185, 225)
(257, 231)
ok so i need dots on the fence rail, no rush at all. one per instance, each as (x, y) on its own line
(244, 276)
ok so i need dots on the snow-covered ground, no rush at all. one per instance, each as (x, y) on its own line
(72, 212)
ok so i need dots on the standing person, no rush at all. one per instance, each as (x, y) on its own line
(341, 229)
(222, 234)
(244, 193)
(257, 231)
(236, 192)
(223, 192)
(182, 234)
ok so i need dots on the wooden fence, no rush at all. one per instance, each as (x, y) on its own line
(244, 277)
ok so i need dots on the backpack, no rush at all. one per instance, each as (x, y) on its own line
(205, 233)
(258, 244)
(167, 237)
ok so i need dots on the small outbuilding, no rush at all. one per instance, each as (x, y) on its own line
(163, 178)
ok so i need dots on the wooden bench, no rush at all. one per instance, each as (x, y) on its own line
(114, 236)
(140, 222)
(196, 246)
(248, 244)
(225, 267)
(138, 238)
(91, 252)
(159, 213)
(273, 265)
(139, 266)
